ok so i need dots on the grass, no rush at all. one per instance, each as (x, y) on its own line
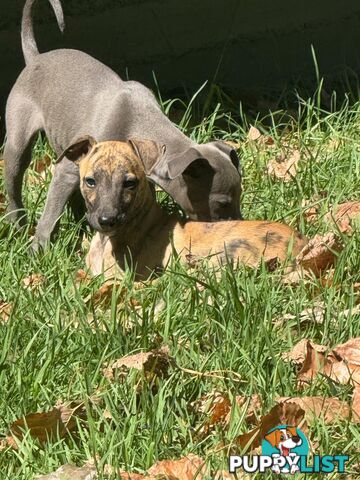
(56, 342)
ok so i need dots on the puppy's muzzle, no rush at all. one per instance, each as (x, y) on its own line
(109, 222)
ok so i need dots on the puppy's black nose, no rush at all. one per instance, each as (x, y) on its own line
(107, 221)
(296, 439)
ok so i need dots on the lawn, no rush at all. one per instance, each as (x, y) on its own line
(226, 331)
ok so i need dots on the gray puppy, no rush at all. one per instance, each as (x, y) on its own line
(67, 94)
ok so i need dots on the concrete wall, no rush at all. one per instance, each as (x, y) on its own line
(249, 46)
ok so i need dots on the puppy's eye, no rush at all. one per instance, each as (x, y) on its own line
(90, 182)
(130, 184)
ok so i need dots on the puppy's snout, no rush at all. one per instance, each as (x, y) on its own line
(108, 221)
(296, 439)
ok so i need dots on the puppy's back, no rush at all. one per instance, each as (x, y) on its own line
(245, 241)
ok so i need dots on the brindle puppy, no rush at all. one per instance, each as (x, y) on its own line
(134, 229)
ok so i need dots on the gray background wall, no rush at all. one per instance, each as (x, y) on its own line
(249, 46)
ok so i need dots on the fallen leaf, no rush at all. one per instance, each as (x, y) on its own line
(217, 407)
(154, 363)
(225, 475)
(190, 467)
(319, 253)
(42, 164)
(283, 413)
(253, 133)
(234, 145)
(41, 426)
(45, 426)
(284, 167)
(356, 402)
(349, 351)
(82, 277)
(5, 311)
(298, 353)
(314, 314)
(70, 472)
(313, 363)
(329, 410)
(340, 364)
(310, 213)
(343, 215)
(133, 476)
(70, 413)
(2, 203)
(33, 281)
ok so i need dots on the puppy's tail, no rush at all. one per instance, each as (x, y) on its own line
(28, 42)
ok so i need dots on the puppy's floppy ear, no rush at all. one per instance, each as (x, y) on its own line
(77, 150)
(273, 438)
(225, 148)
(149, 152)
(191, 163)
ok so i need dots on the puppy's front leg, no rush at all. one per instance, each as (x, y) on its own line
(64, 183)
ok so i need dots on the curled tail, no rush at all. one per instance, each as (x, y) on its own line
(28, 42)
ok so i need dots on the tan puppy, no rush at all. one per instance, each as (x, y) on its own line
(135, 230)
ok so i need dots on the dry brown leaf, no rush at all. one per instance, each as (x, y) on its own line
(42, 164)
(190, 467)
(298, 353)
(70, 472)
(310, 213)
(349, 351)
(314, 362)
(343, 215)
(45, 426)
(283, 413)
(320, 253)
(225, 475)
(2, 203)
(103, 296)
(314, 314)
(234, 145)
(132, 476)
(253, 133)
(340, 364)
(217, 407)
(356, 402)
(5, 311)
(70, 413)
(42, 426)
(328, 409)
(82, 277)
(33, 281)
(284, 167)
(154, 363)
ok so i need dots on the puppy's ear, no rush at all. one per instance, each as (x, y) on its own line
(189, 163)
(292, 431)
(225, 148)
(149, 152)
(272, 438)
(79, 149)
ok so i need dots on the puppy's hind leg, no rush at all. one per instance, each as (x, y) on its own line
(17, 157)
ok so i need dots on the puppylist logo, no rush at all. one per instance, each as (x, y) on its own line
(285, 450)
